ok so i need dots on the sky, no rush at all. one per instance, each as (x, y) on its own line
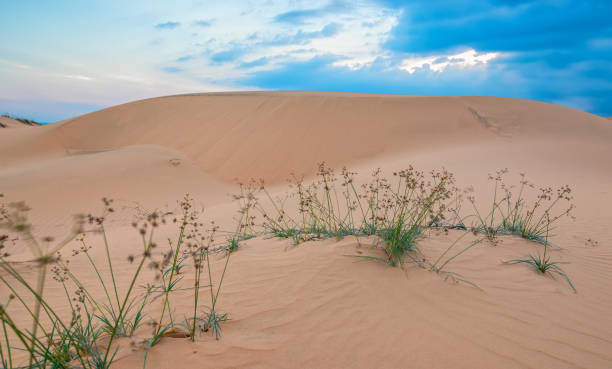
(63, 58)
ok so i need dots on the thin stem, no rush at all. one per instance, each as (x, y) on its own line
(110, 302)
(42, 275)
(176, 252)
(459, 253)
(8, 345)
(125, 301)
(447, 250)
(196, 292)
(110, 265)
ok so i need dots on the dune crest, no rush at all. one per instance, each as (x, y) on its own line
(269, 134)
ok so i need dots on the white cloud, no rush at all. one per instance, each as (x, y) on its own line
(359, 32)
(15, 65)
(355, 63)
(78, 77)
(438, 63)
(133, 60)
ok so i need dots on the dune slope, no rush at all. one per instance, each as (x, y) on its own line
(312, 306)
(270, 134)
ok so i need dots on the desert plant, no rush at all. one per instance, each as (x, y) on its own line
(438, 265)
(543, 264)
(199, 247)
(88, 338)
(247, 202)
(213, 318)
(397, 214)
(16, 220)
(527, 223)
(514, 215)
(175, 266)
(416, 203)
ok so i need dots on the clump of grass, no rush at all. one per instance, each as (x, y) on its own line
(122, 323)
(515, 215)
(175, 264)
(544, 265)
(14, 218)
(213, 318)
(199, 251)
(399, 212)
(88, 338)
(247, 202)
(415, 205)
(334, 206)
(202, 249)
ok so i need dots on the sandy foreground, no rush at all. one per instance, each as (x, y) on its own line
(311, 306)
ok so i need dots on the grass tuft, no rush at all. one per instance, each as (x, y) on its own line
(88, 337)
(544, 266)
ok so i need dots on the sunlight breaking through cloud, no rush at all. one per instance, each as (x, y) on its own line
(438, 63)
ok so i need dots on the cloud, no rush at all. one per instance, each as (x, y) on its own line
(185, 58)
(429, 26)
(168, 25)
(439, 63)
(172, 69)
(202, 23)
(254, 63)
(228, 55)
(330, 29)
(319, 74)
(305, 15)
(560, 50)
(78, 77)
(506, 77)
(15, 65)
(551, 50)
(328, 33)
(303, 37)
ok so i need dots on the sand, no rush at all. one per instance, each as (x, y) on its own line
(8, 122)
(311, 306)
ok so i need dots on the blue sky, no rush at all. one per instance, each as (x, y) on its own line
(62, 58)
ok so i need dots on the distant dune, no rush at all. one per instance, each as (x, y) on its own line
(311, 306)
(219, 138)
(12, 122)
(270, 134)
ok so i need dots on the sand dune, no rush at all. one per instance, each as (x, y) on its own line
(270, 134)
(224, 137)
(312, 306)
(8, 122)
